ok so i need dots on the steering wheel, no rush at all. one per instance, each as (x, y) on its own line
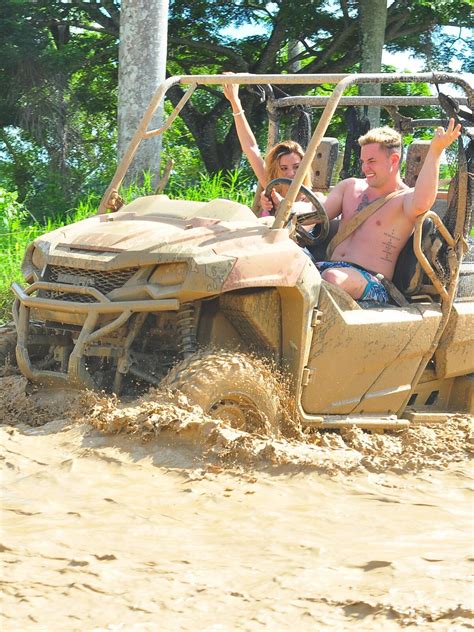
(304, 237)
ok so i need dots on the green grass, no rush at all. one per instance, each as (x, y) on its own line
(231, 185)
(18, 228)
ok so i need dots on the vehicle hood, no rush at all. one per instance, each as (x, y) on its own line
(149, 234)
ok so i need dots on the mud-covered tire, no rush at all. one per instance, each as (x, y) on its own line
(7, 349)
(233, 387)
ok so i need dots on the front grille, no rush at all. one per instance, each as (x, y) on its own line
(66, 296)
(105, 282)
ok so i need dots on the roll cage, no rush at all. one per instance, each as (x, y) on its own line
(454, 239)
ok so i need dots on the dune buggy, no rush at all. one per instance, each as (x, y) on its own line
(187, 294)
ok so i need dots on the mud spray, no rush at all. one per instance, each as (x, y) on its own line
(148, 514)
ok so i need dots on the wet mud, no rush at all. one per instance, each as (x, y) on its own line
(147, 514)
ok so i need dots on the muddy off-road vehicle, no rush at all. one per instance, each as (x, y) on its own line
(187, 294)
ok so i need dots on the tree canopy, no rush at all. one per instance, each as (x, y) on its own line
(59, 75)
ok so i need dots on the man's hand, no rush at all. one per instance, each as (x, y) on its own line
(426, 187)
(444, 138)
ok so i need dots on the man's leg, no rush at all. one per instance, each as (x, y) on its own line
(348, 279)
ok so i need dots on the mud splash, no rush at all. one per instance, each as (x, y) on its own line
(161, 412)
(163, 417)
(148, 514)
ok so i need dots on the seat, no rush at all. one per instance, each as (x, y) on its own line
(416, 154)
(324, 163)
(409, 277)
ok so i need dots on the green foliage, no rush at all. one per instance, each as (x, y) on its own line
(11, 211)
(231, 185)
(402, 88)
(17, 229)
(57, 136)
(59, 69)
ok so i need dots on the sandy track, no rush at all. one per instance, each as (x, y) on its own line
(148, 515)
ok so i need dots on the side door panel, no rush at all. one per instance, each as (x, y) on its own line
(363, 360)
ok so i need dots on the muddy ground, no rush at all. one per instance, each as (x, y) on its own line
(148, 515)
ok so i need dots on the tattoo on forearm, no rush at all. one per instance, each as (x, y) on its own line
(389, 245)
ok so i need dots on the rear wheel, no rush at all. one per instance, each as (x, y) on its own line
(233, 387)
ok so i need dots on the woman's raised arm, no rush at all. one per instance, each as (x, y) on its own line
(247, 138)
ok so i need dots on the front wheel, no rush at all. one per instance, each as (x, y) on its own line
(234, 387)
(7, 350)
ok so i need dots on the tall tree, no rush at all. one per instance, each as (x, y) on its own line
(142, 67)
(373, 20)
(59, 65)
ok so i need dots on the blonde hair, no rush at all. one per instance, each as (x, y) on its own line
(388, 138)
(272, 163)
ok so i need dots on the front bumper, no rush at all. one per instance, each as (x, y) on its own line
(116, 313)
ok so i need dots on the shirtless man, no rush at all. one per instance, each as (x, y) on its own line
(375, 245)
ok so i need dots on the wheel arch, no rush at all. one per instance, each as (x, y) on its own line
(272, 321)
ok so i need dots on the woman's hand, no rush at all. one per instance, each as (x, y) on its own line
(270, 205)
(231, 93)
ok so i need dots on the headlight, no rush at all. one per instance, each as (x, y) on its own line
(33, 263)
(169, 274)
(37, 258)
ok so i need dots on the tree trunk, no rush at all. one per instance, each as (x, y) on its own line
(373, 20)
(295, 48)
(142, 67)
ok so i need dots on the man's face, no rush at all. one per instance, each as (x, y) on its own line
(377, 164)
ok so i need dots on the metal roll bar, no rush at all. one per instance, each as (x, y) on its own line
(342, 82)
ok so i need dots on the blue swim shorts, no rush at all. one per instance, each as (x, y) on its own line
(373, 291)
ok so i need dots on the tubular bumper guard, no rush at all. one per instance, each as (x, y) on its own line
(76, 374)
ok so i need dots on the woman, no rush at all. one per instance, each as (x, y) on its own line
(282, 161)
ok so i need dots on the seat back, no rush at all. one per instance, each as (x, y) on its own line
(323, 164)
(409, 277)
(416, 155)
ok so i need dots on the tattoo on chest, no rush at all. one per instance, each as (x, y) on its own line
(389, 245)
(364, 201)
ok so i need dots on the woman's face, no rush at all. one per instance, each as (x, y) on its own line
(288, 165)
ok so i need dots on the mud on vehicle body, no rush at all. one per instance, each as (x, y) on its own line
(184, 294)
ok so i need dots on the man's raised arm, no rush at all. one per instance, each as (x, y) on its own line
(426, 187)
